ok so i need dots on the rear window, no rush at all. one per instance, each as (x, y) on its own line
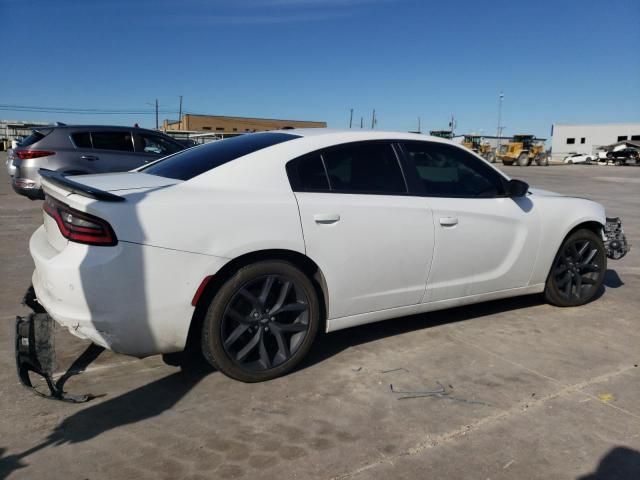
(36, 136)
(195, 161)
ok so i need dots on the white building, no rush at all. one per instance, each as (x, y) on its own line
(572, 138)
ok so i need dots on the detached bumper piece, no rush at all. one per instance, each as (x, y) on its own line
(615, 244)
(35, 353)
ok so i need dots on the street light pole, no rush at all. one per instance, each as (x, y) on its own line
(351, 118)
(499, 133)
(156, 114)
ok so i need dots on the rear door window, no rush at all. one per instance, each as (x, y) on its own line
(82, 139)
(190, 163)
(116, 140)
(364, 167)
(307, 174)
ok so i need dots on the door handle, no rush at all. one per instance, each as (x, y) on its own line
(326, 218)
(91, 158)
(448, 221)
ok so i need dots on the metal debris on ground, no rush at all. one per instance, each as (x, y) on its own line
(440, 392)
(395, 370)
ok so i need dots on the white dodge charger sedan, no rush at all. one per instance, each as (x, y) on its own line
(247, 247)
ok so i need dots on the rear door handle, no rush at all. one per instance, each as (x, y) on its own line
(448, 221)
(326, 218)
(91, 158)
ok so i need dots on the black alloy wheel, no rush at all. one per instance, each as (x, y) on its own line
(578, 270)
(262, 322)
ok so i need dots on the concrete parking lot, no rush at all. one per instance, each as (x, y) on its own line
(532, 391)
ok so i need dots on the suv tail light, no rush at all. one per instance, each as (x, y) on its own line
(78, 226)
(29, 154)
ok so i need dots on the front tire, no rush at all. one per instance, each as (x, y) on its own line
(578, 270)
(523, 159)
(262, 322)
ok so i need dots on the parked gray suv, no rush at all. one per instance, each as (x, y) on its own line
(81, 149)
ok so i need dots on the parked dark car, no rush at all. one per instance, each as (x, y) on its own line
(621, 157)
(83, 149)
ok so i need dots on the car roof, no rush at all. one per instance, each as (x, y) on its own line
(348, 134)
(96, 127)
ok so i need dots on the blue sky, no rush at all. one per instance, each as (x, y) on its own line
(556, 61)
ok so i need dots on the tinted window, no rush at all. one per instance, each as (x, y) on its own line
(308, 174)
(36, 136)
(191, 163)
(156, 144)
(448, 171)
(82, 139)
(367, 167)
(113, 141)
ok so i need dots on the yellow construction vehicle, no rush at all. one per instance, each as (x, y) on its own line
(481, 147)
(523, 150)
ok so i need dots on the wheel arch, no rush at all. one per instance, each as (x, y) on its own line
(590, 224)
(215, 282)
(594, 225)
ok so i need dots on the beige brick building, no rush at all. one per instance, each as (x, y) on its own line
(233, 125)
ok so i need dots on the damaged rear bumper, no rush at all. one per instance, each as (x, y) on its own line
(35, 353)
(615, 242)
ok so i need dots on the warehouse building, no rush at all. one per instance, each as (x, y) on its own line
(15, 130)
(228, 126)
(588, 138)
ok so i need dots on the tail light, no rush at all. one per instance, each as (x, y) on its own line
(29, 154)
(78, 226)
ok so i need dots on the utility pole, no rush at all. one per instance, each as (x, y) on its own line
(499, 135)
(157, 114)
(180, 114)
(419, 126)
(373, 119)
(351, 118)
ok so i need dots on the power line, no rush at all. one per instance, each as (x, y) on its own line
(80, 111)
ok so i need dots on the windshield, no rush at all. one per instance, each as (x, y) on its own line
(190, 163)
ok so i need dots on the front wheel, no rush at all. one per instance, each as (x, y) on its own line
(578, 270)
(262, 322)
(523, 159)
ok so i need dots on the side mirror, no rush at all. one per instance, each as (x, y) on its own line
(517, 188)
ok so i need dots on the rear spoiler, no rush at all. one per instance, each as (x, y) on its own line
(62, 181)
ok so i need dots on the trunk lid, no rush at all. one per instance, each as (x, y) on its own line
(107, 196)
(123, 182)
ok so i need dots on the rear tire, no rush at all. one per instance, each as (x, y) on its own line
(578, 270)
(262, 322)
(491, 157)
